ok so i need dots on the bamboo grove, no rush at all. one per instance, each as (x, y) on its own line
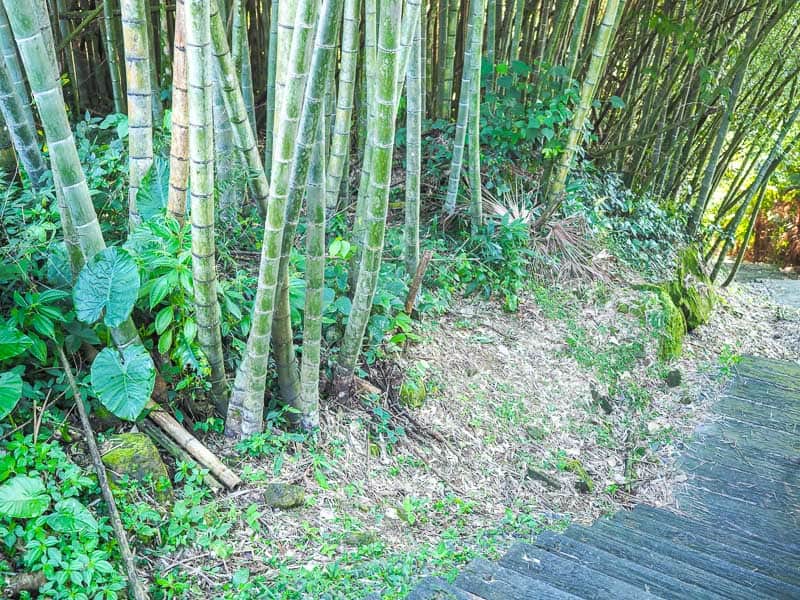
(693, 102)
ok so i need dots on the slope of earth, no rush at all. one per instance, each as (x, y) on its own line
(553, 415)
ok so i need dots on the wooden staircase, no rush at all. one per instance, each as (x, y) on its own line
(735, 532)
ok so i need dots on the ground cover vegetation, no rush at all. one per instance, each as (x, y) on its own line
(340, 293)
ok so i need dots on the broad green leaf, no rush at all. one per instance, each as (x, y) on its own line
(23, 497)
(165, 342)
(58, 268)
(12, 342)
(123, 381)
(70, 516)
(163, 319)
(10, 392)
(151, 199)
(108, 283)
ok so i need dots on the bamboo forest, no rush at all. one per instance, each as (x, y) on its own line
(320, 299)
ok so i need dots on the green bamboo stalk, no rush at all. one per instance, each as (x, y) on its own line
(491, 26)
(386, 101)
(225, 153)
(471, 56)
(163, 37)
(474, 129)
(706, 186)
(39, 65)
(287, 9)
(155, 84)
(516, 36)
(308, 404)
(140, 97)
(272, 52)
(8, 160)
(312, 112)
(8, 49)
(110, 35)
(746, 239)
(16, 118)
(243, 135)
(602, 42)
(371, 41)
(414, 93)
(441, 43)
(240, 51)
(72, 243)
(359, 225)
(446, 89)
(246, 409)
(179, 142)
(340, 141)
(201, 194)
(578, 31)
(776, 154)
(72, 68)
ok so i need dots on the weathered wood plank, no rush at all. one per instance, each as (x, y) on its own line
(683, 522)
(568, 575)
(655, 555)
(649, 580)
(494, 582)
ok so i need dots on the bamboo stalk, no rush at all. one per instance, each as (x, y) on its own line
(193, 447)
(176, 451)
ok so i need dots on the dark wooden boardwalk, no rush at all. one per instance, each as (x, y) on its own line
(734, 534)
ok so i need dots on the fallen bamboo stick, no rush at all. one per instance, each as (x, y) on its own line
(193, 446)
(137, 589)
(172, 448)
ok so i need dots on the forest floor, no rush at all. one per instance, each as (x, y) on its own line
(554, 414)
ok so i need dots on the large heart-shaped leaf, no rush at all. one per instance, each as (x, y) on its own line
(110, 283)
(23, 497)
(70, 516)
(10, 392)
(123, 381)
(151, 198)
(12, 342)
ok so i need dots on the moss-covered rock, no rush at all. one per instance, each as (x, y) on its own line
(691, 290)
(135, 456)
(413, 393)
(670, 343)
(585, 483)
(284, 495)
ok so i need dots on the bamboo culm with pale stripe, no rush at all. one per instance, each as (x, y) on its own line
(201, 193)
(138, 70)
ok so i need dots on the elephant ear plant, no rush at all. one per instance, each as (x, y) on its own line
(106, 289)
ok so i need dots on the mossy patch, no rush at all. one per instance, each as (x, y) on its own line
(284, 495)
(135, 456)
(670, 343)
(585, 482)
(413, 393)
(691, 290)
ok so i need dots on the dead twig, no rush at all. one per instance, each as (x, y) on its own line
(137, 589)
